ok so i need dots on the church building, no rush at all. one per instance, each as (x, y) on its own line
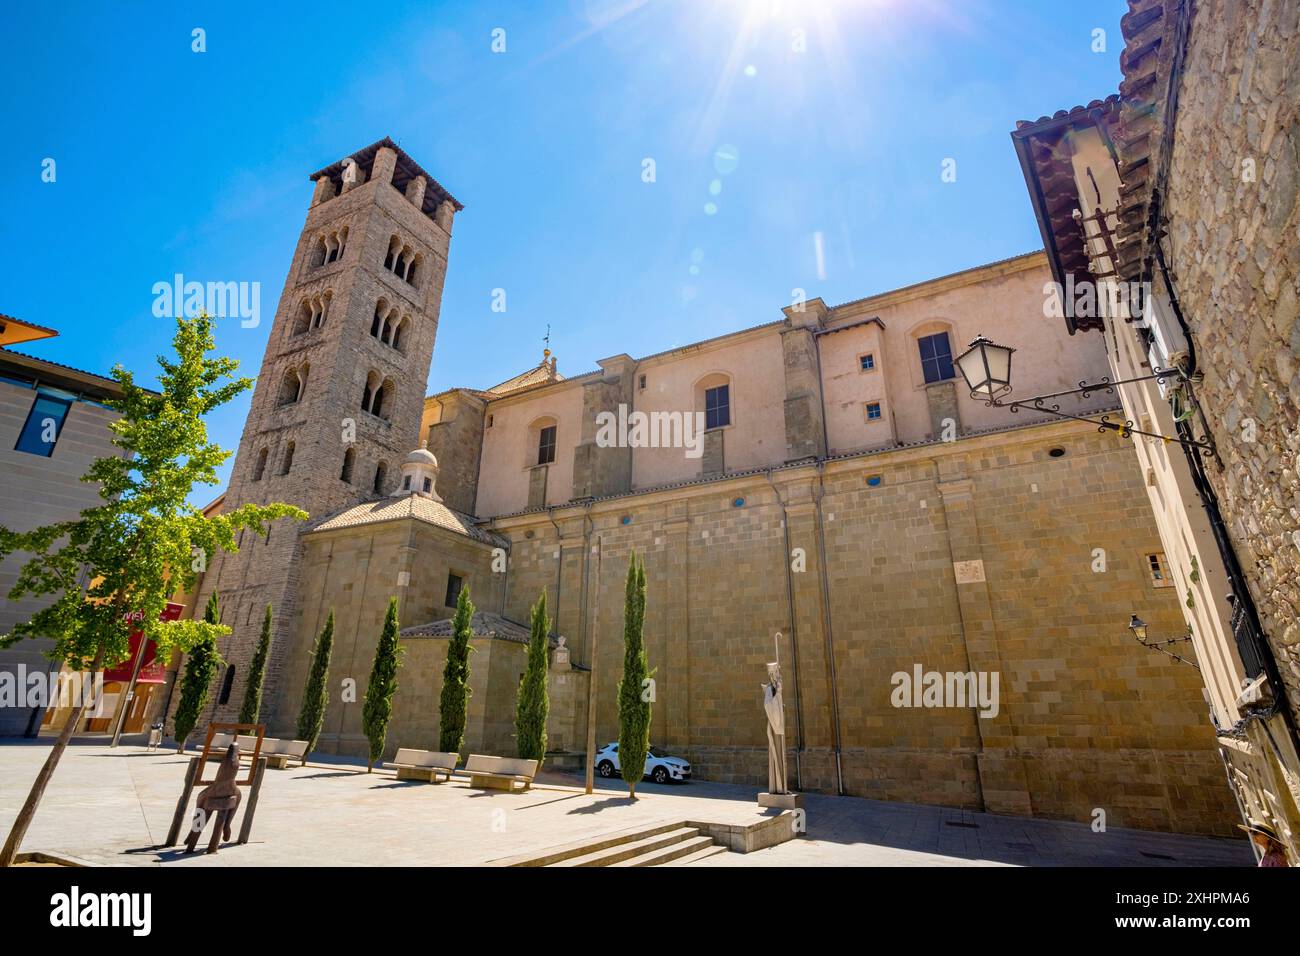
(819, 488)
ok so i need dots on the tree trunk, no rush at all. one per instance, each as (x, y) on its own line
(25, 815)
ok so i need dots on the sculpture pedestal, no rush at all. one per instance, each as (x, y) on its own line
(783, 801)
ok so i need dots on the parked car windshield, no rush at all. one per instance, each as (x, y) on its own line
(656, 752)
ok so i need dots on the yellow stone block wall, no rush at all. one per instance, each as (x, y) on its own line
(1088, 719)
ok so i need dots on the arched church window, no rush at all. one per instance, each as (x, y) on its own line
(290, 387)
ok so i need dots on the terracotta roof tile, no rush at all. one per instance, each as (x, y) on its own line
(413, 506)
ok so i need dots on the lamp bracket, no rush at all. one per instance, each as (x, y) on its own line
(1125, 429)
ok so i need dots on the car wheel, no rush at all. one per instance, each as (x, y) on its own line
(605, 768)
(660, 775)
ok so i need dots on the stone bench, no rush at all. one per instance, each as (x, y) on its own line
(499, 773)
(423, 765)
(277, 752)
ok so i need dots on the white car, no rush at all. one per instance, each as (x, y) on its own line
(659, 766)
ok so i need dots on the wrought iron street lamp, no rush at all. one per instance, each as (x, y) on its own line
(1138, 628)
(986, 367)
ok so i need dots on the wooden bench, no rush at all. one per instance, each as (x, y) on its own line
(499, 773)
(423, 764)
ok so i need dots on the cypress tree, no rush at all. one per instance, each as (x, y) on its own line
(633, 696)
(378, 705)
(252, 705)
(532, 704)
(453, 703)
(312, 716)
(200, 666)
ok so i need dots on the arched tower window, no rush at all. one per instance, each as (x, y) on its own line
(288, 459)
(291, 386)
(349, 457)
(399, 333)
(382, 399)
(370, 392)
(303, 320)
(259, 468)
(381, 473)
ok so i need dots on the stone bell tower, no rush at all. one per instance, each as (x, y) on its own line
(341, 389)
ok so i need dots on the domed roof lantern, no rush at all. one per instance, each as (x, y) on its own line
(419, 475)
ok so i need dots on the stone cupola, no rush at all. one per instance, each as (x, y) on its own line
(419, 475)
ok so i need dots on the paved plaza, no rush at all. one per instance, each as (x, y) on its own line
(114, 807)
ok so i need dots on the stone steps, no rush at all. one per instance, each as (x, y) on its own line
(671, 853)
(628, 849)
(712, 849)
(662, 845)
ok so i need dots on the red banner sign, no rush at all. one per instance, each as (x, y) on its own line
(152, 671)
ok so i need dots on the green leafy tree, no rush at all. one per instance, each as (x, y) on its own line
(378, 706)
(144, 541)
(251, 708)
(532, 705)
(311, 718)
(634, 696)
(453, 703)
(200, 667)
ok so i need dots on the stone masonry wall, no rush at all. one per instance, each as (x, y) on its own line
(1235, 243)
(973, 555)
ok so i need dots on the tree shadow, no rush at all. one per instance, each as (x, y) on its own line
(544, 803)
(606, 804)
(319, 776)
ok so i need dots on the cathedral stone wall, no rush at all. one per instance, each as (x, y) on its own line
(354, 572)
(987, 554)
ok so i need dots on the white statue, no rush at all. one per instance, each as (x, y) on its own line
(775, 708)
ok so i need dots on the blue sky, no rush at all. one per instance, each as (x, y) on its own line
(829, 177)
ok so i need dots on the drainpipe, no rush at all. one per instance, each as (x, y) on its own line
(559, 565)
(794, 646)
(821, 395)
(584, 595)
(827, 625)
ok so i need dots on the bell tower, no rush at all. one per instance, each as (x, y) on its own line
(340, 394)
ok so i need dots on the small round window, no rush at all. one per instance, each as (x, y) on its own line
(1057, 452)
